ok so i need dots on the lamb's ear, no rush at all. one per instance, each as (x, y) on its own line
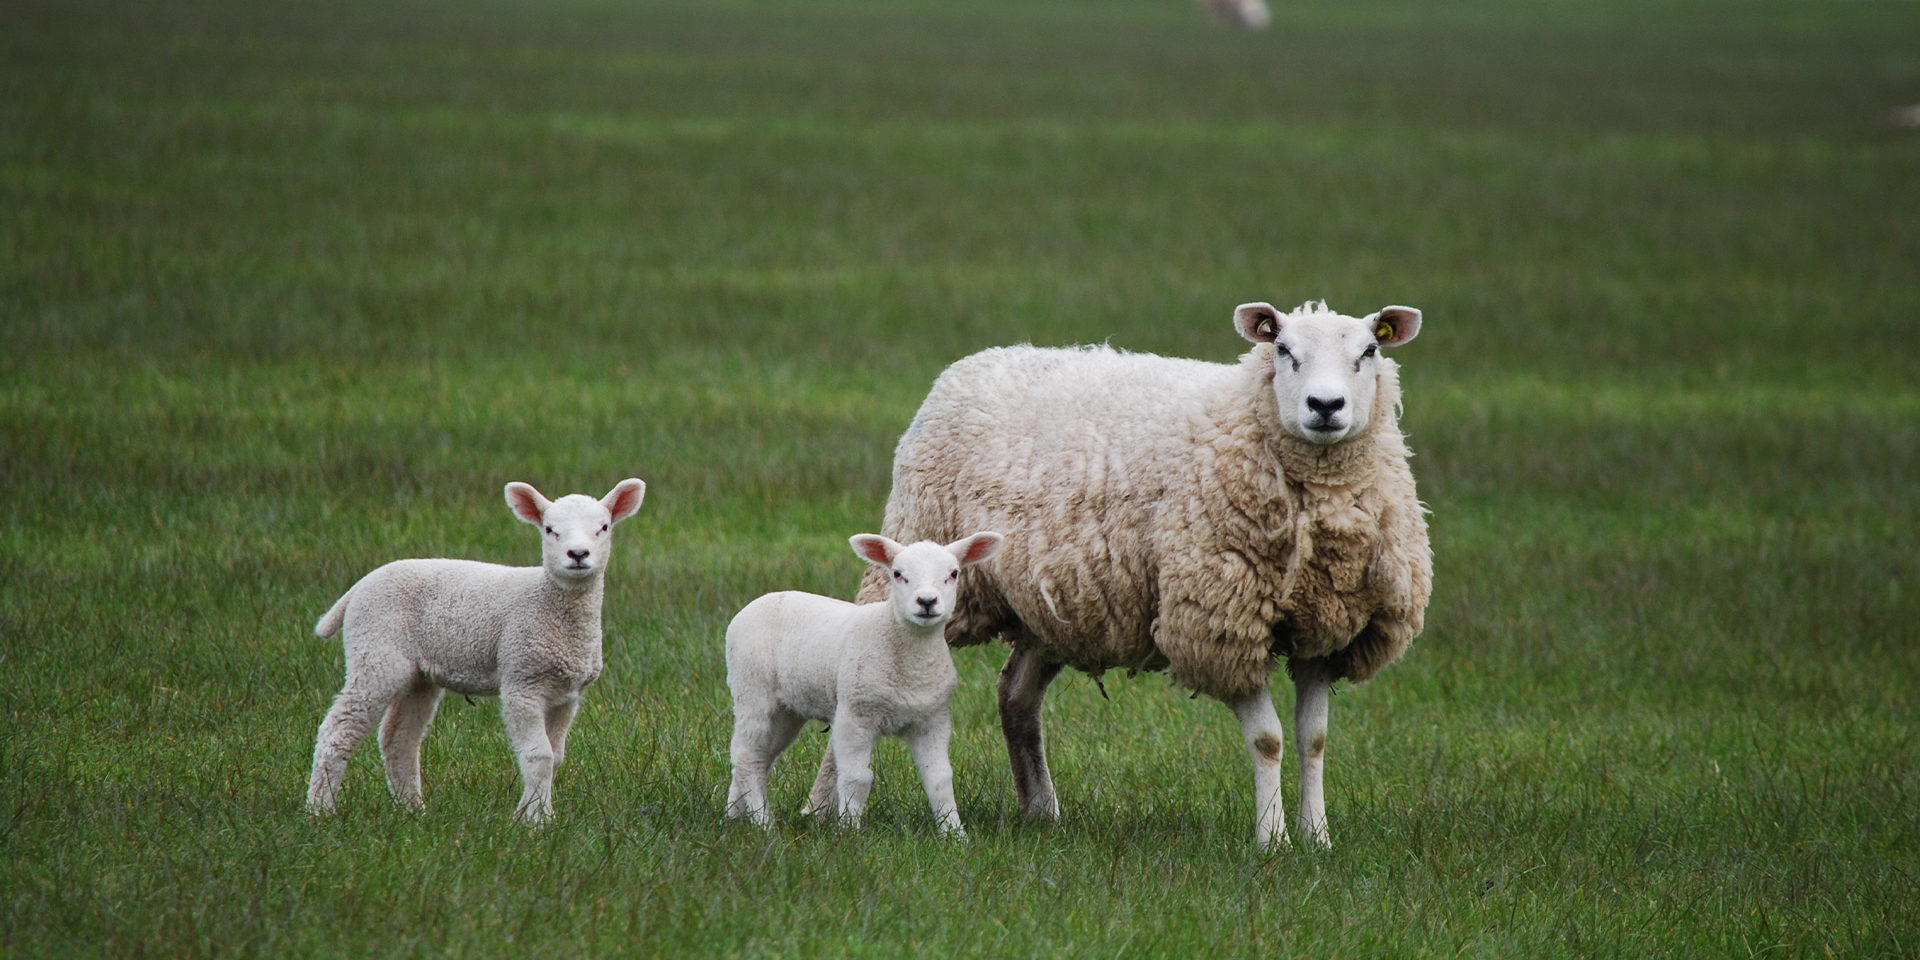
(1258, 322)
(526, 502)
(976, 548)
(1393, 326)
(625, 498)
(874, 548)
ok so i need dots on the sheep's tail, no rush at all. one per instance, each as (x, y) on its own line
(330, 621)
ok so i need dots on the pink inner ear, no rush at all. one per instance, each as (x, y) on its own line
(979, 547)
(626, 500)
(525, 503)
(874, 548)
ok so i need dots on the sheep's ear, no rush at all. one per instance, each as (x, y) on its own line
(526, 502)
(1393, 326)
(874, 548)
(1258, 322)
(976, 548)
(625, 498)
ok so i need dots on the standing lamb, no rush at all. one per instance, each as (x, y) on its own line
(870, 671)
(1206, 519)
(414, 629)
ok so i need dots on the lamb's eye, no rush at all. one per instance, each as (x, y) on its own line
(605, 527)
(897, 575)
(953, 575)
(550, 532)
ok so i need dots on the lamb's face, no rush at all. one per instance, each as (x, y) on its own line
(1326, 367)
(575, 534)
(925, 575)
(576, 531)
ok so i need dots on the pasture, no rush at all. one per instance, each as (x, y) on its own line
(290, 290)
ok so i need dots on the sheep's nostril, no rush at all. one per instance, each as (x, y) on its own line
(1324, 407)
(926, 603)
(578, 554)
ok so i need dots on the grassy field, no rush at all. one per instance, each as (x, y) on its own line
(289, 290)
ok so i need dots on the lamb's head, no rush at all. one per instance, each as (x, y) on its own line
(926, 575)
(1326, 367)
(576, 530)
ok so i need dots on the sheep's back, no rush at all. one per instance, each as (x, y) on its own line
(1064, 451)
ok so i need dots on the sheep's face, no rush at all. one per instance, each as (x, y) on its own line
(925, 575)
(1326, 367)
(576, 531)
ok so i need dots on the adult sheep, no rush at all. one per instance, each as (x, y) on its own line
(1206, 519)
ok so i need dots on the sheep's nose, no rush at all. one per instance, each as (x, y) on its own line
(926, 603)
(578, 555)
(1324, 407)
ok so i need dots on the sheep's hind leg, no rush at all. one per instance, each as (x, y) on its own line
(400, 736)
(1313, 689)
(1261, 728)
(559, 722)
(1023, 690)
(758, 740)
(352, 715)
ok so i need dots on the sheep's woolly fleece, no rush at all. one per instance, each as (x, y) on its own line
(1157, 516)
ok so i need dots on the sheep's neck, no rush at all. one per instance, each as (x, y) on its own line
(577, 603)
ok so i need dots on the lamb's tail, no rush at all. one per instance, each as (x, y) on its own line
(330, 621)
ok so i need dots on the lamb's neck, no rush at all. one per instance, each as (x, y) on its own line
(575, 603)
(911, 644)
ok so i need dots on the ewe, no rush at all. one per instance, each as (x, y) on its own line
(872, 670)
(414, 629)
(1206, 519)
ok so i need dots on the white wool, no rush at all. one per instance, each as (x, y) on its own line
(1163, 513)
(880, 669)
(414, 629)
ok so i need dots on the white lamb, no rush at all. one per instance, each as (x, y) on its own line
(872, 670)
(414, 629)
(1165, 514)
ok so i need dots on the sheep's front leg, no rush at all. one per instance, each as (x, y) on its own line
(400, 736)
(852, 744)
(1261, 728)
(1023, 689)
(559, 722)
(1313, 690)
(526, 716)
(928, 744)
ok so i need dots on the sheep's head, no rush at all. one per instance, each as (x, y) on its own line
(926, 575)
(1326, 367)
(575, 530)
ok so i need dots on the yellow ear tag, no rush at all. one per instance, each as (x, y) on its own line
(1384, 331)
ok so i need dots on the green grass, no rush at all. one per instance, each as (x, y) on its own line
(290, 290)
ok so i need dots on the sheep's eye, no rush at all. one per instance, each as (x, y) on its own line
(1365, 355)
(550, 532)
(605, 527)
(897, 575)
(1280, 350)
(953, 575)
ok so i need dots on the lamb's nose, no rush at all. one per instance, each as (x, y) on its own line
(926, 603)
(1324, 407)
(578, 555)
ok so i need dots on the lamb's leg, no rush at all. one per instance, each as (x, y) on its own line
(526, 715)
(400, 736)
(559, 721)
(852, 745)
(1313, 689)
(1261, 728)
(758, 740)
(1023, 688)
(353, 713)
(928, 744)
(824, 800)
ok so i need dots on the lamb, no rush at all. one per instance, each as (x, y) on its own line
(1169, 514)
(870, 671)
(414, 629)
